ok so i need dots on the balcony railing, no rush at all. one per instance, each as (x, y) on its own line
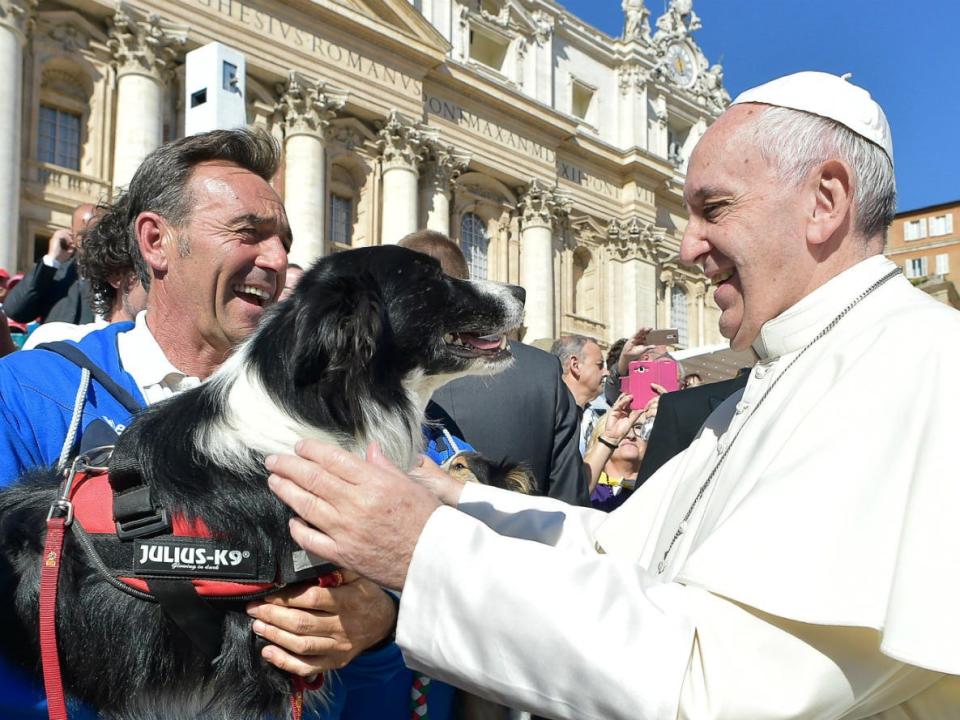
(60, 180)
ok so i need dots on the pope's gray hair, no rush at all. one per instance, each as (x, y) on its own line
(797, 142)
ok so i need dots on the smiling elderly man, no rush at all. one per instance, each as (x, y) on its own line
(799, 560)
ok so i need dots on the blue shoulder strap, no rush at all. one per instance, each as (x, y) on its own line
(78, 357)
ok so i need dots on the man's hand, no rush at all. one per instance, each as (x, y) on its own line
(365, 515)
(437, 480)
(315, 628)
(62, 246)
(633, 348)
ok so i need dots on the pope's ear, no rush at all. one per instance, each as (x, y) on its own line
(832, 206)
(151, 230)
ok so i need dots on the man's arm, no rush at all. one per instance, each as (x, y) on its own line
(568, 479)
(29, 299)
(591, 637)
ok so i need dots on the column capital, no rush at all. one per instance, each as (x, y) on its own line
(443, 164)
(542, 206)
(18, 16)
(632, 76)
(308, 106)
(401, 142)
(634, 238)
(146, 46)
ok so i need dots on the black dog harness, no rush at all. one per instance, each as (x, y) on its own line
(148, 552)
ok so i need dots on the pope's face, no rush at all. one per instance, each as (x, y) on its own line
(745, 228)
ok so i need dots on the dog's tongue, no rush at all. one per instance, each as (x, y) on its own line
(484, 342)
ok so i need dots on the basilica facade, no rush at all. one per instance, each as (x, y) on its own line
(553, 153)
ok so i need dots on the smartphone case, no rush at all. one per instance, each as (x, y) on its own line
(642, 373)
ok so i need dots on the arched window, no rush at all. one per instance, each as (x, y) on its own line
(678, 312)
(473, 242)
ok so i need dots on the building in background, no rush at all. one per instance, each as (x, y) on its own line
(926, 243)
(553, 153)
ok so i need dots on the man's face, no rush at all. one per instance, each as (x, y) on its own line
(746, 228)
(592, 369)
(227, 263)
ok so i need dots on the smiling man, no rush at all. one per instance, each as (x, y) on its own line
(209, 237)
(799, 560)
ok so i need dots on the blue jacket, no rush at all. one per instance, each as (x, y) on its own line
(37, 393)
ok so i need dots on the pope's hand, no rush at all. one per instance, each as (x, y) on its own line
(437, 480)
(313, 629)
(365, 515)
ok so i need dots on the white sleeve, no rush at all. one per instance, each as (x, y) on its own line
(537, 518)
(522, 623)
(570, 635)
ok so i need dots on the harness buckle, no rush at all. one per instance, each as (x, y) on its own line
(152, 523)
(61, 508)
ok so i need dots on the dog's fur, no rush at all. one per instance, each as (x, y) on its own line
(352, 357)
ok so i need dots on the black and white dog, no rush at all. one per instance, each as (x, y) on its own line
(351, 357)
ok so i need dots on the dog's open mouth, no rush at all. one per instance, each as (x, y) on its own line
(470, 345)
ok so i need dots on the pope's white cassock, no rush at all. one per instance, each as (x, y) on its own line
(817, 577)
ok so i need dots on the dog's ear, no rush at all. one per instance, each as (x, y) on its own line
(340, 327)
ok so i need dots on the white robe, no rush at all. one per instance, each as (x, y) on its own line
(819, 576)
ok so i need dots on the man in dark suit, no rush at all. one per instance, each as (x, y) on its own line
(680, 415)
(524, 414)
(54, 290)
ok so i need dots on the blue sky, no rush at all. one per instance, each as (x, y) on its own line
(905, 52)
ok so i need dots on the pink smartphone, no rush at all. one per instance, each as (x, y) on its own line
(643, 373)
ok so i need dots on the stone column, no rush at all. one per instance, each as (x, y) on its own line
(539, 207)
(307, 107)
(16, 21)
(402, 146)
(143, 53)
(700, 293)
(441, 169)
(666, 277)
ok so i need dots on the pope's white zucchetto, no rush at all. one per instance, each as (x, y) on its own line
(829, 96)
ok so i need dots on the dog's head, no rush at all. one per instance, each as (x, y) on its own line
(387, 319)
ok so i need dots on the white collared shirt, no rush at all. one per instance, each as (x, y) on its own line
(142, 357)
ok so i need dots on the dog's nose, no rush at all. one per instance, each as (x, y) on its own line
(518, 292)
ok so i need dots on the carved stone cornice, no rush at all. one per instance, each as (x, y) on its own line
(634, 238)
(307, 106)
(144, 47)
(18, 16)
(542, 206)
(402, 144)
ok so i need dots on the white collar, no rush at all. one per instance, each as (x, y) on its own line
(143, 357)
(796, 326)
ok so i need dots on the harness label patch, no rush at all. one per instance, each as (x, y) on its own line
(184, 557)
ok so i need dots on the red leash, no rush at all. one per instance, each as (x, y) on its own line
(49, 576)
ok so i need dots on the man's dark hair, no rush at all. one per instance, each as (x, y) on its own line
(613, 354)
(160, 184)
(101, 257)
(438, 246)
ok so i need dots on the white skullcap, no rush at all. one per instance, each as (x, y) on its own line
(828, 96)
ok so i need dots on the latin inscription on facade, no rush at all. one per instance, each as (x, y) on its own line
(481, 126)
(578, 176)
(349, 60)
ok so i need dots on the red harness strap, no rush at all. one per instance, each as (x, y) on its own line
(49, 575)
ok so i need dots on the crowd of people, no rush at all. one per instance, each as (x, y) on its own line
(779, 544)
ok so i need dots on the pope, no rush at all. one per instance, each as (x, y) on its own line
(799, 560)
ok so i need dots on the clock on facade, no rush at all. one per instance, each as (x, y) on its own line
(680, 64)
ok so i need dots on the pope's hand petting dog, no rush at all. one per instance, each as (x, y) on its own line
(437, 480)
(365, 515)
(316, 628)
